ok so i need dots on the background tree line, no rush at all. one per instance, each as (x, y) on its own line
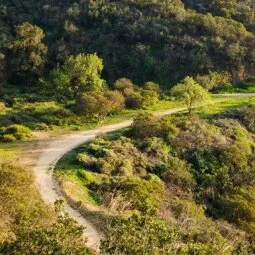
(162, 41)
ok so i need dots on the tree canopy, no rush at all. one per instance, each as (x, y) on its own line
(27, 53)
(191, 93)
(78, 74)
(160, 41)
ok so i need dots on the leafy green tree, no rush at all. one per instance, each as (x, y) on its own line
(123, 84)
(27, 53)
(149, 98)
(85, 71)
(98, 105)
(78, 74)
(134, 100)
(149, 85)
(191, 93)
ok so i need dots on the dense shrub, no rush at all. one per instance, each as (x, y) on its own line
(134, 100)
(214, 80)
(145, 235)
(177, 173)
(8, 138)
(239, 208)
(145, 125)
(149, 85)
(247, 115)
(41, 127)
(139, 194)
(123, 84)
(98, 105)
(28, 226)
(156, 149)
(15, 132)
(197, 134)
(149, 98)
(120, 157)
(183, 169)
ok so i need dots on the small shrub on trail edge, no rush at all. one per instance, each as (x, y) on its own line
(41, 127)
(15, 132)
(8, 138)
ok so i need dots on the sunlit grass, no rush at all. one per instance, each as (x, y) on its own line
(223, 106)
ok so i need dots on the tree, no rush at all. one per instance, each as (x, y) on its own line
(149, 85)
(191, 93)
(78, 74)
(214, 80)
(141, 98)
(27, 53)
(122, 84)
(85, 71)
(149, 98)
(134, 100)
(99, 104)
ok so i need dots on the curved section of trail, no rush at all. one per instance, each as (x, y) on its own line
(46, 154)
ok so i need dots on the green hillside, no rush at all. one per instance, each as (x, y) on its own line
(180, 180)
(162, 41)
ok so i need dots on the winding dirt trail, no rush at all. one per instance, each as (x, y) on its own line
(45, 154)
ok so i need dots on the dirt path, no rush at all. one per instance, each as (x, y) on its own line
(44, 154)
(42, 157)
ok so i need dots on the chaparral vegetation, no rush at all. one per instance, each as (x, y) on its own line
(181, 178)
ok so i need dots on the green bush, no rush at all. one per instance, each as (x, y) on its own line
(134, 100)
(8, 138)
(141, 194)
(88, 161)
(142, 98)
(239, 208)
(145, 125)
(149, 98)
(123, 158)
(247, 115)
(2, 107)
(149, 85)
(156, 148)
(123, 84)
(214, 80)
(178, 174)
(41, 127)
(18, 132)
